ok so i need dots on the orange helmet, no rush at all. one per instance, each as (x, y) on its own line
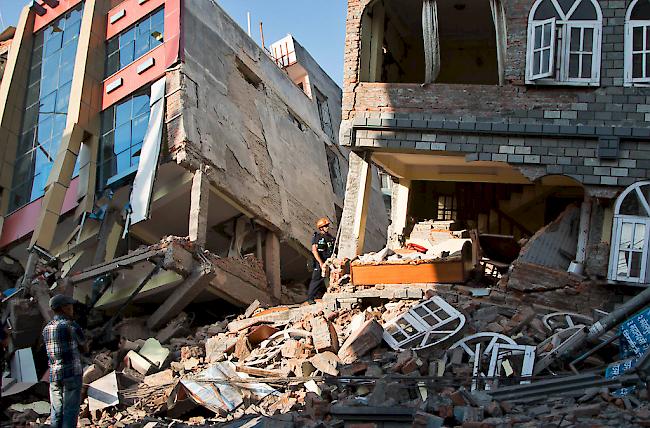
(322, 222)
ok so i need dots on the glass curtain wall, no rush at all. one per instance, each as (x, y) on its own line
(46, 106)
(124, 126)
(135, 41)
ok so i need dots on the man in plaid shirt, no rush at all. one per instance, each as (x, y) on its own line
(63, 338)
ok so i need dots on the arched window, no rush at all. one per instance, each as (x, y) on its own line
(628, 260)
(637, 43)
(564, 42)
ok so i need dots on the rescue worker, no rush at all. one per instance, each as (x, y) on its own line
(322, 248)
(63, 339)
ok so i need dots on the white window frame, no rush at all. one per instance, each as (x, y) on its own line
(617, 227)
(562, 45)
(630, 24)
(551, 66)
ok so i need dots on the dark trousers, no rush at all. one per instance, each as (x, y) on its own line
(317, 283)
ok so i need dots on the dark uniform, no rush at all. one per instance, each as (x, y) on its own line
(325, 245)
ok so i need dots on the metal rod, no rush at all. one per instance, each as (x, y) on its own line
(146, 279)
(262, 35)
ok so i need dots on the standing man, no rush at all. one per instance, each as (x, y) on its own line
(322, 248)
(63, 338)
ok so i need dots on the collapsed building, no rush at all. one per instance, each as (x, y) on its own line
(499, 115)
(152, 151)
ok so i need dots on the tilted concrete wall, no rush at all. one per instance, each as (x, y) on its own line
(244, 128)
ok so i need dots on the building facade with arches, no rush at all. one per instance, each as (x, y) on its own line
(501, 114)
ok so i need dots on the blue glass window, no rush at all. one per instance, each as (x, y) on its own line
(46, 106)
(123, 128)
(135, 41)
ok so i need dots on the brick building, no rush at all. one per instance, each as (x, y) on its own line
(501, 113)
(124, 122)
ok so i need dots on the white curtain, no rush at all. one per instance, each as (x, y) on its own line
(499, 18)
(431, 42)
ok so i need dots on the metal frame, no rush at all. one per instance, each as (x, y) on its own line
(501, 352)
(416, 330)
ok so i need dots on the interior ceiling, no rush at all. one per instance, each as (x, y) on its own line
(461, 18)
(442, 167)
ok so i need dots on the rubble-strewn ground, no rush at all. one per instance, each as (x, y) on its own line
(329, 364)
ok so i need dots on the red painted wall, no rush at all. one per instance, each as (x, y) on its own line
(165, 55)
(52, 14)
(21, 223)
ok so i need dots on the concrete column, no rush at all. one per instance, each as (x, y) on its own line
(272, 263)
(355, 209)
(398, 210)
(583, 233)
(199, 201)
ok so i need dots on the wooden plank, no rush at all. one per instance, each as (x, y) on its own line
(443, 272)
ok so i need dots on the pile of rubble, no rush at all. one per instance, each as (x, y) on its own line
(421, 355)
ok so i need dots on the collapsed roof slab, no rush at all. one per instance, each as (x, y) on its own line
(238, 281)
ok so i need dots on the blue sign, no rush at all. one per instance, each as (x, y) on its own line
(616, 369)
(635, 335)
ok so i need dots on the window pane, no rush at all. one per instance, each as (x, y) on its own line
(30, 119)
(585, 11)
(639, 236)
(122, 138)
(546, 56)
(635, 264)
(106, 145)
(54, 43)
(123, 161)
(158, 20)
(67, 63)
(573, 65)
(588, 40)
(108, 119)
(71, 32)
(45, 130)
(626, 236)
(127, 37)
(63, 98)
(113, 45)
(565, 5)
(647, 64)
(37, 186)
(123, 112)
(537, 36)
(26, 143)
(546, 10)
(126, 54)
(637, 38)
(139, 128)
(48, 104)
(59, 127)
(32, 95)
(140, 105)
(575, 39)
(637, 65)
(547, 35)
(24, 168)
(641, 10)
(113, 64)
(141, 45)
(536, 62)
(586, 66)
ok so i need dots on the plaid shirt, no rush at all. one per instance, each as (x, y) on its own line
(62, 338)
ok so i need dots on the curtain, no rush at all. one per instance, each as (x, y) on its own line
(499, 18)
(431, 42)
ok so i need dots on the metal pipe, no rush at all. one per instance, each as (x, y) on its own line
(618, 315)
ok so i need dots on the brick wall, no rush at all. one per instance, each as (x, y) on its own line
(554, 130)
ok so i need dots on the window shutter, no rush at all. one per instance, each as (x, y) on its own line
(542, 61)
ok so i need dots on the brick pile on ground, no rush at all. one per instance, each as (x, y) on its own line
(329, 363)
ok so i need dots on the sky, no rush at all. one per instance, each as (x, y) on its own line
(317, 25)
